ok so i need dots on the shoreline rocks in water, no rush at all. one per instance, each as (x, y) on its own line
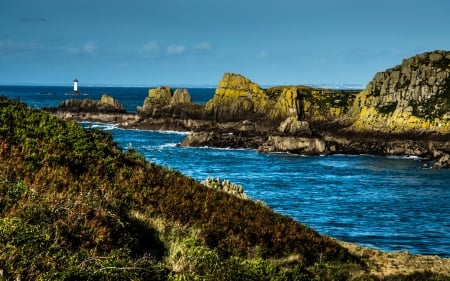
(404, 110)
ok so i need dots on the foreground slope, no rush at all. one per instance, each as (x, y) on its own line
(74, 206)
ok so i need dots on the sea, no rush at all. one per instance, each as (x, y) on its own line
(387, 203)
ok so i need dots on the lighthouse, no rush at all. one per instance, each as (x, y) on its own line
(75, 86)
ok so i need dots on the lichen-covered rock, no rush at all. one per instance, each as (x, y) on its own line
(237, 98)
(181, 96)
(413, 96)
(157, 97)
(163, 102)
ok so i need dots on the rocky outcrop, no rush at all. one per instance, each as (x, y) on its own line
(411, 97)
(238, 98)
(162, 102)
(106, 104)
(293, 126)
(404, 110)
(181, 97)
(298, 145)
(161, 97)
(226, 186)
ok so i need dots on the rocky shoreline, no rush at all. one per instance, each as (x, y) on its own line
(404, 111)
(433, 149)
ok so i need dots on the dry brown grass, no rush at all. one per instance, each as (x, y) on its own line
(383, 264)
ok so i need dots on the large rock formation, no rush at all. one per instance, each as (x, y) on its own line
(238, 98)
(162, 102)
(411, 97)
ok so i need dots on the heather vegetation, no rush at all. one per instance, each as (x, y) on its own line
(75, 206)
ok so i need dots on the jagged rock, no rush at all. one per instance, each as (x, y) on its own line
(299, 145)
(157, 98)
(238, 98)
(411, 97)
(161, 102)
(443, 162)
(226, 186)
(106, 104)
(181, 96)
(293, 126)
(105, 99)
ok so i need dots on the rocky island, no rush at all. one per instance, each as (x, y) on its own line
(404, 110)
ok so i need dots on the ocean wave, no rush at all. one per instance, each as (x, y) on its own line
(160, 146)
(99, 125)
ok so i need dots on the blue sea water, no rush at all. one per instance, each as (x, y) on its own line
(389, 203)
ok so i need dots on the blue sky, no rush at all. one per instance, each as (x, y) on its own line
(181, 42)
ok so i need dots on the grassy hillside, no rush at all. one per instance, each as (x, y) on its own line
(74, 206)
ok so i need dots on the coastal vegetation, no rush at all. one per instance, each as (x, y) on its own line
(76, 206)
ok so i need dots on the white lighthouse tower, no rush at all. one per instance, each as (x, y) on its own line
(75, 86)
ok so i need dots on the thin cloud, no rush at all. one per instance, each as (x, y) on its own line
(89, 48)
(175, 50)
(202, 47)
(149, 49)
(13, 46)
(32, 19)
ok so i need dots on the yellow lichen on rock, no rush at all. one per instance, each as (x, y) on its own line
(411, 97)
(238, 94)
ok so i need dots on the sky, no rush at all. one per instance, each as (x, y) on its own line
(194, 42)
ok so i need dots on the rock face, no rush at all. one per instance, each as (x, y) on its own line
(293, 126)
(299, 145)
(106, 104)
(180, 97)
(237, 98)
(411, 97)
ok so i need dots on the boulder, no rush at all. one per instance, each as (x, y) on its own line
(298, 145)
(294, 126)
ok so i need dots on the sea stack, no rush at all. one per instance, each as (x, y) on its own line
(75, 86)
